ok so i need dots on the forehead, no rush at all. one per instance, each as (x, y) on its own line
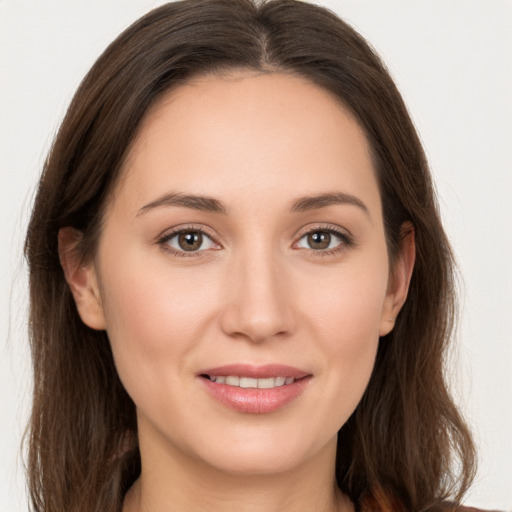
(246, 133)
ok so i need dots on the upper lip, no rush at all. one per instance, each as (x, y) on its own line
(256, 371)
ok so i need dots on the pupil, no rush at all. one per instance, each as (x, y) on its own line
(190, 241)
(319, 240)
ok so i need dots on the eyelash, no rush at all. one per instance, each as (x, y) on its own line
(346, 241)
(164, 242)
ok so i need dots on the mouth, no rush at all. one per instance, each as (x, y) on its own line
(255, 389)
(250, 382)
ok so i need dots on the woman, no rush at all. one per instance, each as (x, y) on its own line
(241, 292)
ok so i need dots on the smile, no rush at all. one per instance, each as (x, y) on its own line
(250, 382)
(255, 389)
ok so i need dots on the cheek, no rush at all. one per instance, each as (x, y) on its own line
(345, 319)
(148, 300)
(347, 308)
(153, 321)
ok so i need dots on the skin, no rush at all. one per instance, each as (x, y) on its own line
(255, 292)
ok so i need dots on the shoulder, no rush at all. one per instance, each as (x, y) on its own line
(393, 505)
(472, 509)
(467, 509)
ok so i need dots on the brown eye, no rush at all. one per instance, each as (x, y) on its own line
(322, 239)
(319, 240)
(190, 240)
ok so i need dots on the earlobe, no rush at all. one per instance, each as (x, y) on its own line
(81, 278)
(400, 279)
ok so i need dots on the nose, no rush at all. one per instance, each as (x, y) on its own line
(259, 303)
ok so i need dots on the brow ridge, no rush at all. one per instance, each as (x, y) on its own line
(210, 204)
(192, 201)
(318, 201)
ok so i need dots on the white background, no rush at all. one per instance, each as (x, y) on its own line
(452, 61)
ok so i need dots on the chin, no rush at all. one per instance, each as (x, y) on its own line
(264, 454)
(256, 463)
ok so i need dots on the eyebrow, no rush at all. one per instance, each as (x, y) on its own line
(307, 203)
(210, 204)
(203, 203)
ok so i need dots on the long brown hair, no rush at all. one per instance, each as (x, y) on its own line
(406, 442)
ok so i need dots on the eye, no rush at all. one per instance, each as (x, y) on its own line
(323, 240)
(188, 240)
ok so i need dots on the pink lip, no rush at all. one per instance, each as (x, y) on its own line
(256, 372)
(252, 400)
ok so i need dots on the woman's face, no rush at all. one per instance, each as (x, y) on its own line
(242, 273)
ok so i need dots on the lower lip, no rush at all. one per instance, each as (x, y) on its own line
(256, 401)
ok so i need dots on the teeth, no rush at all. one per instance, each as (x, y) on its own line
(266, 383)
(246, 382)
(249, 382)
(233, 381)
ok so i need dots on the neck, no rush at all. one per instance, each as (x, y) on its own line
(170, 481)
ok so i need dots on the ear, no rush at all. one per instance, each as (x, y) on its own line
(399, 280)
(81, 278)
